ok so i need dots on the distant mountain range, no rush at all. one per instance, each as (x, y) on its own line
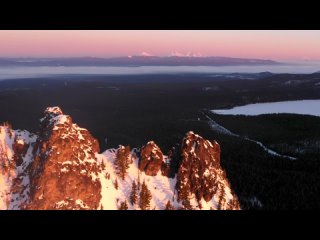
(143, 60)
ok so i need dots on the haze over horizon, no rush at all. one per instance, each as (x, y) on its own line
(253, 44)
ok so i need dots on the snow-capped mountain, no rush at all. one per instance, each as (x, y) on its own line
(62, 168)
(146, 54)
(176, 54)
(189, 54)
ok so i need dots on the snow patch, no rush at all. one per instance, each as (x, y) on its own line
(59, 120)
(61, 204)
(206, 173)
(82, 204)
(64, 170)
(55, 110)
(20, 141)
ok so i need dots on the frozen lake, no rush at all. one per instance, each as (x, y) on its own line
(309, 107)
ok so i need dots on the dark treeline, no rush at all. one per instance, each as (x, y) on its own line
(132, 110)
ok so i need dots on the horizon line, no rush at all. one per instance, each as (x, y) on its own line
(160, 56)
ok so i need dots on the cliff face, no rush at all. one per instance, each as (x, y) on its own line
(151, 159)
(61, 168)
(200, 174)
(64, 171)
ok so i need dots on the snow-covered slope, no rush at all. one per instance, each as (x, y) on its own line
(161, 187)
(62, 168)
(15, 157)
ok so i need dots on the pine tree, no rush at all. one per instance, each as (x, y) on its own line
(116, 184)
(123, 205)
(103, 166)
(2, 158)
(133, 195)
(186, 204)
(122, 161)
(222, 200)
(183, 196)
(128, 155)
(169, 206)
(8, 125)
(145, 197)
(139, 184)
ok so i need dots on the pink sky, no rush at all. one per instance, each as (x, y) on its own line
(277, 45)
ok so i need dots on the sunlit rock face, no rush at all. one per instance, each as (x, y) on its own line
(201, 175)
(61, 167)
(64, 173)
(151, 159)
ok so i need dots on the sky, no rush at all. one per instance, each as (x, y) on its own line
(275, 45)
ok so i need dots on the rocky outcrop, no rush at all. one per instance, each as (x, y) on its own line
(64, 173)
(151, 159)
(200, 173)
(165, 169)
(61, 168)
